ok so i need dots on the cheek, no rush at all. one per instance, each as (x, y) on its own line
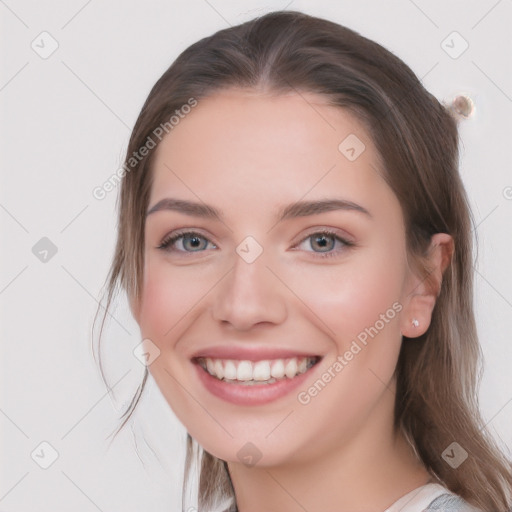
(168, 296)
(358, 308)
(349, 298)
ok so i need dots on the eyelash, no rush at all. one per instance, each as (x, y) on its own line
(171, 239)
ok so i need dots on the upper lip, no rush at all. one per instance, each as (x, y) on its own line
(248, 353)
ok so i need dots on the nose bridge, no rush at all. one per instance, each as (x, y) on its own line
(250, 293)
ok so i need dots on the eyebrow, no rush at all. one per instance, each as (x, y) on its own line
(297, 209)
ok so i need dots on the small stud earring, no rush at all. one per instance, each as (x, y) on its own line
(415, 322)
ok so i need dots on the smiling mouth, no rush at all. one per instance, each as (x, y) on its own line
(251, 373)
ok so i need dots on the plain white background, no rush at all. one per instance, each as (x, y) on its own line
(66, 120)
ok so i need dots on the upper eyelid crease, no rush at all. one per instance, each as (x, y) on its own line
(298, 209)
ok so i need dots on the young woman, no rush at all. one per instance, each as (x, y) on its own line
(295, 242)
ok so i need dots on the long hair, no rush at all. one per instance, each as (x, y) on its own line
(417, 139)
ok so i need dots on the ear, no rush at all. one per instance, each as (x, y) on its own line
(424, 290)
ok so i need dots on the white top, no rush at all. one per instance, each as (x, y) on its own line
(419, 500)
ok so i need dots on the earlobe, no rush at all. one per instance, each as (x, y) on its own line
(425, 289)
(416, 319)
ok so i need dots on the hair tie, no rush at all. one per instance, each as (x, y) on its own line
(462, 107)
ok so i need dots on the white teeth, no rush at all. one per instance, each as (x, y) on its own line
(230, 370)
(261, 371)
(250, 373)
(277, 370)
(290, 369)
(219, 370)
(244, 371)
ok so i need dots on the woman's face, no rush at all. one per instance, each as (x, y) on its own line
(297, 256)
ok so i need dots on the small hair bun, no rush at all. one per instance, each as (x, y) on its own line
(462, 107)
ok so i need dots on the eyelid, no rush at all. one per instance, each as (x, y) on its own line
(345, 241)
(178, 234)
(336, 232)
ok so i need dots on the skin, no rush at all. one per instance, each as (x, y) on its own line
(248, 153)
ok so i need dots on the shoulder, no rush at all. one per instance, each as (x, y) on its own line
(450, 503)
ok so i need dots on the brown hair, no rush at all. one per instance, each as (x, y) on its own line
(417, 139)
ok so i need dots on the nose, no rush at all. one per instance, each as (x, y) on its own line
(249, 295)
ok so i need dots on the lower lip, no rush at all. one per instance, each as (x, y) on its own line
(257, 394)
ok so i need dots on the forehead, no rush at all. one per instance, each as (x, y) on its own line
(283, 122)
(242, 145)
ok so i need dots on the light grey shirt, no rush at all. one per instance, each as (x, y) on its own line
(431, 497)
